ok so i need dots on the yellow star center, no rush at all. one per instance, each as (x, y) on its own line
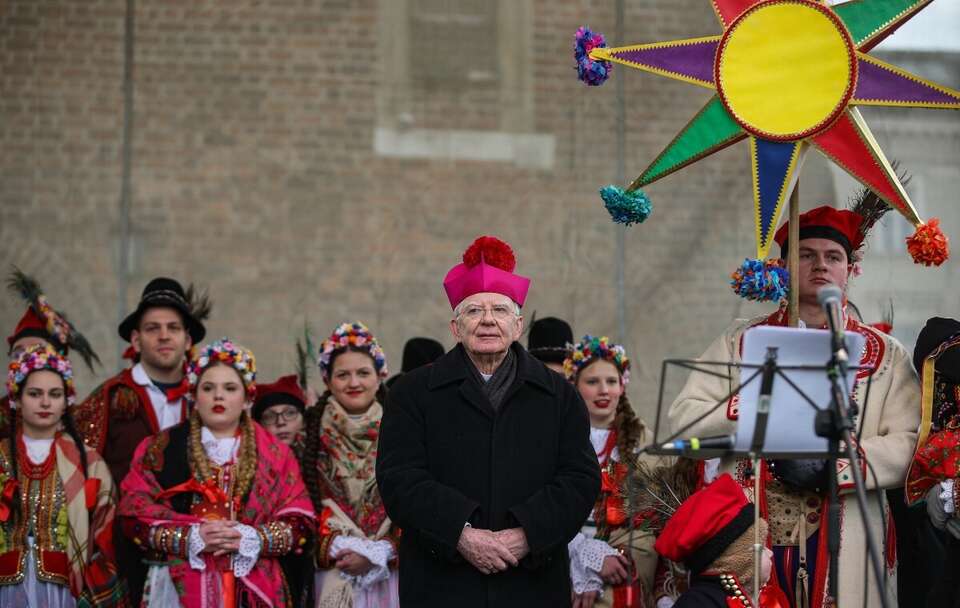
(791, 55)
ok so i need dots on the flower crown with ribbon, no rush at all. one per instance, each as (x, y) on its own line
(225, 351)
(351, 334)
(591, 348)
(39, 357)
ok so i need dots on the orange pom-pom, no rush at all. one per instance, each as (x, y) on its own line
(491, 250)
(929, 245)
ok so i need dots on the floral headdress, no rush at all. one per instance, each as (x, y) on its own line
(37, 358)
(225, 351)
(351, 334)
(591, 348)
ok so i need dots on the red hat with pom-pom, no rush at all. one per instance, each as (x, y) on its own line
(487, 268)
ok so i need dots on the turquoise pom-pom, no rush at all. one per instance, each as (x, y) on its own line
(626, 207)
(762, 281)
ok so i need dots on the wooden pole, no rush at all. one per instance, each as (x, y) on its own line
(793, 257)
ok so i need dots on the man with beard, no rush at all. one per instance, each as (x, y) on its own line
(146, 398)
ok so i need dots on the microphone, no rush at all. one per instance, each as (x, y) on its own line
(717, 442)
(831, 300)
(763, 402)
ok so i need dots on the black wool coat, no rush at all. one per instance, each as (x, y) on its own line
(447, 458)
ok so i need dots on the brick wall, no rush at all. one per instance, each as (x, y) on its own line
(254, 174)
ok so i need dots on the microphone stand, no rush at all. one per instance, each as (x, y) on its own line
(834, 424)
(767, 372)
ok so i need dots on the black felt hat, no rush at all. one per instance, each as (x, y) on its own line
(418, 352)
(165, 293)
(549, 339)
(937, 331)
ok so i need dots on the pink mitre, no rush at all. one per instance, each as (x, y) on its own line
(487, 268)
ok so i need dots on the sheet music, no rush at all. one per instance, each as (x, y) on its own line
(790, 426)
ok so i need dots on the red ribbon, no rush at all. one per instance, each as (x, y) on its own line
(211, 493)
(174, 394)
(611, 484)
(325, 516)
(771, 596)
(6, 498)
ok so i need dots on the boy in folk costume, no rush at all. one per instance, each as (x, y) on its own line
(794, 499)
(57, 502)
(40, 324)
(148, 397)
(712, 533)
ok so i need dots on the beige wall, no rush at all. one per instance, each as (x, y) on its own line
(273, 163)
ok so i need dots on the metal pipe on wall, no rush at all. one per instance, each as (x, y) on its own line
(621, 127)
(126, 155)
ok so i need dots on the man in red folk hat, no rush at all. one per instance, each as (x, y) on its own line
(794, 492)
(148, 397)
(40, 324)
(485, 459)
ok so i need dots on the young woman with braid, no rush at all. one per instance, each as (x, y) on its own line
(606, 561)
(356, 543)
(217, 501)
(57, 499)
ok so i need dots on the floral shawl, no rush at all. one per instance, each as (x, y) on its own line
(277, 491)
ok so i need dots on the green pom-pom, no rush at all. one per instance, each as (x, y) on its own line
(626, 207)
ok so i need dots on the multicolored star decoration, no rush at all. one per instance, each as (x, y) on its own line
(786, 75)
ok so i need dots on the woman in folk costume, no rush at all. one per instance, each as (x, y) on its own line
(217, 500)
(606, 555)
(44, 325)
(57, 500)
(356, 543)
(935, 470)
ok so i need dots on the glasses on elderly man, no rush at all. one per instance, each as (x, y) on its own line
(500, 312)
(271, 418)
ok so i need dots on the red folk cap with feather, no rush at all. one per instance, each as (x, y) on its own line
(839, 225)
(487, 268)
(705, 524)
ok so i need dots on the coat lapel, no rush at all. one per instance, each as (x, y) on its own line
(472, 394)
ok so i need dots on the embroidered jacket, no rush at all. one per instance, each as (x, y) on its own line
(69, 518)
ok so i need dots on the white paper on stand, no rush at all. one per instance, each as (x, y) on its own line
(790, 425)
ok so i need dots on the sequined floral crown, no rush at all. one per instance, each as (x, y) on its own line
(351, 334)
(225, 351)
(37, 358)
(591, 348)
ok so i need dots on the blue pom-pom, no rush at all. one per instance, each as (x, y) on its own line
(762, 281)
(626, 207)
(592, 72)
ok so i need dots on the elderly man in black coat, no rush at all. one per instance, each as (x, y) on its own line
(485, 460)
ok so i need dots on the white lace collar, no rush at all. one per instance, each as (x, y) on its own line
(219, 450)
